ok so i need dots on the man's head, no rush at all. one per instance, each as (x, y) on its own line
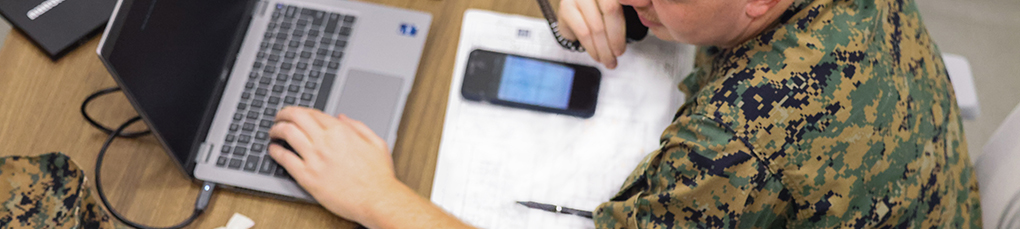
(724, 23)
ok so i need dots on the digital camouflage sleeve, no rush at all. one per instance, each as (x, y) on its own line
(48, 191)
(841, 115)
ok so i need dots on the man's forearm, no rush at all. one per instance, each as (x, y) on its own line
(403, 208)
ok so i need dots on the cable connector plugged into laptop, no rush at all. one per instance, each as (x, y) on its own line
(204, 195)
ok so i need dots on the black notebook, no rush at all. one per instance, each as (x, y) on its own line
(57, 26)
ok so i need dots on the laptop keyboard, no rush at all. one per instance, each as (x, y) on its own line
(297, 61)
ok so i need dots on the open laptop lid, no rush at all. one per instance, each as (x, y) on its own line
(171, 58)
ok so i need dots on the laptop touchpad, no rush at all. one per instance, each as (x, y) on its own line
(371, 98)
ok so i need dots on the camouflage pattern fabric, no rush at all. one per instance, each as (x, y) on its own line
(841, 115)
(47, 191)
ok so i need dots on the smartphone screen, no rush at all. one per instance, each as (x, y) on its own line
(531, 83)
(536, 82)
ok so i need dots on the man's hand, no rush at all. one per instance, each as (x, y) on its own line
(347, 168)
(339, 161)
(598, 24)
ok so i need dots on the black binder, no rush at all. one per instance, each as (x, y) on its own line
(58, 25)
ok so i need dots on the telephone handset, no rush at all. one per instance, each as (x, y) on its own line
(635, 30)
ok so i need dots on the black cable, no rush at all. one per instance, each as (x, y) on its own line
(100, 126)
(200, 204)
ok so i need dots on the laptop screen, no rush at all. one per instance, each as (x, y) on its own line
(168, 56)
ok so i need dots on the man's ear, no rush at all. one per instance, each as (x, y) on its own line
(757, 8)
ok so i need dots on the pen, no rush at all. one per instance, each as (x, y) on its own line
(556, 209)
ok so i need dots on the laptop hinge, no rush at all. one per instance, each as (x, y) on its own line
(204, 152)
(260, 8)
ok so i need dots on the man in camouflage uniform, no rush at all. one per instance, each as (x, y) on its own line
(47, 191)
(841, 114)
(801, 113)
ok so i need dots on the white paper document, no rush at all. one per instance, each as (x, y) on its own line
(491, 156)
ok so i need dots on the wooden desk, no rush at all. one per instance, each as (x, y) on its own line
(39, 102)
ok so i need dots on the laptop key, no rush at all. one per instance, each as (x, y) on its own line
(337, 54)
(313, 33)
(253, 115)
(291, 54)
(278, 47)
(234, 127)
(327, 83)
(299, 77)
(221, 161)
(258, 147)
(289, 100)
(242, 106)
(322, 51)
(229, 138)
(349, 19)
(306, 96)
(240, 151)
(318, 63)
(238, 116)
(294, 88)
(249, 85)
(270, 112)
(307, 12)
(306, 54)
(310, 85)
(274, 100)
(314, 74)
(261, 92)
(291, 11)
(333, 65)
(267, 166)
(317, 18)
(274, 57)
(286, 66)
(265, 80)
(248, 126)
(281, 172)
(265, 123)
(341, 43)
(261, 135)
(331, 23)
(345, 31)
(234, 164)
(244, 138)
(246, 95)
(270, 69)
(251, 163)
(225, 149)
(256, 65)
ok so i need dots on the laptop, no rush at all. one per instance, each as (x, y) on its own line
(208, 77)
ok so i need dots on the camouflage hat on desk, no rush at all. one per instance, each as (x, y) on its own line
(48, 191)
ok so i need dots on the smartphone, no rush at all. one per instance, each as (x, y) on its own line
(531, 83)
